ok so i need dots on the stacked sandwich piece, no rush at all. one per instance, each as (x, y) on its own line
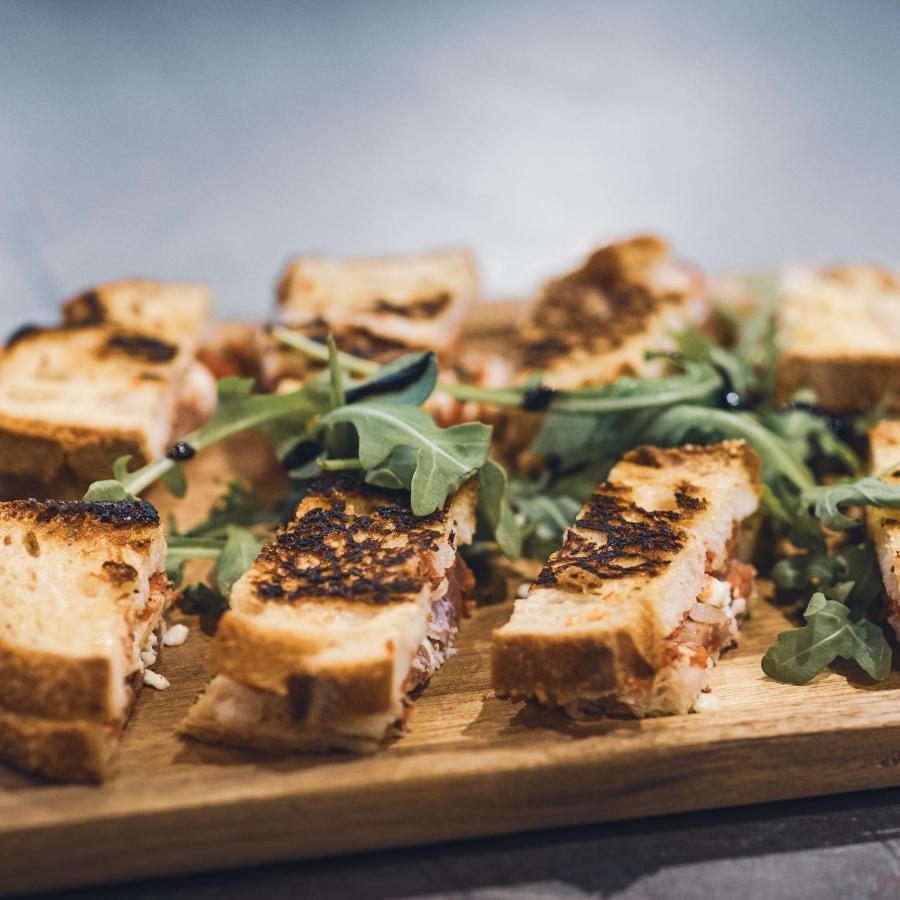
(84, 590)
(839, 331)
(118, 376)
(598, 323)
(377, 309)
(632, 612)
(338, 622)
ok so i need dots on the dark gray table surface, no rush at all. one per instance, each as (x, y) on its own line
(847, 846)
(210, 140)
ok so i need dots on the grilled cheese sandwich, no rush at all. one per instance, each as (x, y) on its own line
(376, 308)
(839, 333)
(884, 523)
(117, 377)
(338, 622)
(632, 612)
(84, 592)
(597, 324)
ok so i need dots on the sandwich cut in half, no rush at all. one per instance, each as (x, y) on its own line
(339, 622)
(597, 324)
(839, 335)
(377, 308)
(884, 523)
(84, 591)
(118, 376)
(629, 616)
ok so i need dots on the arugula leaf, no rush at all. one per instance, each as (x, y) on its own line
(409, 379)
(180, 549)
(241, 548)
(684, 423)
(336, 396)
(800, 654)
(396, 471)
(445, 457)
(825, 501)
(200, 599)
(108, 489)
(175, 480)
(810, 436)
(237, 506)
(493, 505)
(544, 519)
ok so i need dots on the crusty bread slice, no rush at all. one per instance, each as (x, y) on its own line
(75, 397)
(597, 626)
(597, 323)
(174, 311)
(377, 308)
(839, 334)
(83, 588)
(329, 621)
(884, 524)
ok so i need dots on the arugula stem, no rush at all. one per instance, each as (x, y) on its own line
(339, 465)
(512, 397)
(770, 446)
(214, 431)
(353, 364)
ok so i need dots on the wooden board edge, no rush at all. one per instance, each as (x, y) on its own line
(467, 803)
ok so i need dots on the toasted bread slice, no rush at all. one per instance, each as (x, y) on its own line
(84, 588)
(354, 605)
(884, 524)
(177, 312)
(839, 334)
(597, 323)
(610, 623)
(74, 397)
(377, 308)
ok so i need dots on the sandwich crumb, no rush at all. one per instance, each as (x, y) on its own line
(175, 635)
(155, 680)
(707, 702)
(523, 589)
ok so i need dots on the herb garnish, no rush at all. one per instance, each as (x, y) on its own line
(375, 426)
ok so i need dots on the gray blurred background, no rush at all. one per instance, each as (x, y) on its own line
(211, 140)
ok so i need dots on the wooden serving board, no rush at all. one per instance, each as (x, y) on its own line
(469, 764)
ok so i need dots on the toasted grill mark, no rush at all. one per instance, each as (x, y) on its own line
(120, 513)
(595, 309)
(119, 573)
(140, 346)
(329, 551)
(84, 309)
(637, 541)
(31, 544)
(421, 308)
(22, 332)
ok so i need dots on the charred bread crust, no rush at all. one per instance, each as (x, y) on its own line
(130, 304)
(599, 307)
(352, 542)
(82, 519)
(76, 750)
(703, 458)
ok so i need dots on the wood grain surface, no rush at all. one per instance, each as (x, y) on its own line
(468, 765)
